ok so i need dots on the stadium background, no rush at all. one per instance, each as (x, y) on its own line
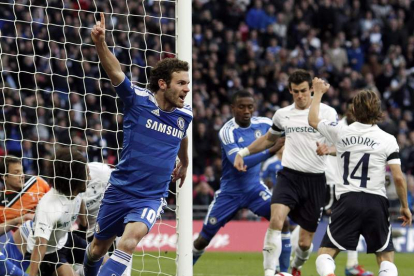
(237, 44)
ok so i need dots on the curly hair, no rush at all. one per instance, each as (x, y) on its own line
(299, 76)
(367, 107)
(163, 70)
(68, 171)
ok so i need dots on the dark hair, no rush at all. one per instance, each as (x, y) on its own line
(240, 94)
(6, 161)
(299, 76)
(164, 70)
(367, 107)
(68, 171)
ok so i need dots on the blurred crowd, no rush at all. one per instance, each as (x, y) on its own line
(55, 92)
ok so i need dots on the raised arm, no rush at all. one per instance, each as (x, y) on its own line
(401, 187)
(261, 144)
(109, 62)
(319, 88)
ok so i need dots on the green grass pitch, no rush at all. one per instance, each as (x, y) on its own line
(250, 264)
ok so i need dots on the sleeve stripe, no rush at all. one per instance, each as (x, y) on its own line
(394, 155)
(233, 151)
(276, 129)
(226, 135)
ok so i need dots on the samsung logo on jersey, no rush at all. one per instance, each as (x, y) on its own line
(163, 128)
(360, 141)
(300, 129)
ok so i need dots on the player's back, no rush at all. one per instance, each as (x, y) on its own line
(55, 214)
(152, 139)
(363, 152)
(233, 138)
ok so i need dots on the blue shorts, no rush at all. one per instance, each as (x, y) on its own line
(14, 256)
(225, 206)
(119, 208)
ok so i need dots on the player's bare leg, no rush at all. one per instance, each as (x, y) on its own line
(118, 262)
(94, 255)
(385, 261)
(302, 251)
(325, 264)
(199, 247)
(273, 239)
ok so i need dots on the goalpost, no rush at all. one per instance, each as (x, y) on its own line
(54, 93)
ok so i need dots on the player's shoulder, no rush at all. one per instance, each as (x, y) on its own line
(186, 110)
(141, 91)
(384, 136)
(261, 120)
(98, 167)
(326, 108)
(226, 132)
(284, 110)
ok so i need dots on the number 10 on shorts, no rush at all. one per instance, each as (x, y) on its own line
(149, 215)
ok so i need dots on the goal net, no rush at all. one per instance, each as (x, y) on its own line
(54, 92)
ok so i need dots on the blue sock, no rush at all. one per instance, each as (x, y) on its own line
(9, 268)
(197, 254)
(90, 267)
(284, 258)
(116, 265)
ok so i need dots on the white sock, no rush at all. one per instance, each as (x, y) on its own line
(294, 238)
(271, 251)
(387, 269)
(325, 265)
(197, 252)
(352, 259)
(301, 257)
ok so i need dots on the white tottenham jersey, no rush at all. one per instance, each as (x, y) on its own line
(100, 174)
(55, 214)
(300, 145)
(332, 174)
(363, 152)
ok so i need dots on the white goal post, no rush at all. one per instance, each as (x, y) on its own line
(185, 194)
(58, 95)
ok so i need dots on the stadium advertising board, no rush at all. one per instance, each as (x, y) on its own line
(246, 236)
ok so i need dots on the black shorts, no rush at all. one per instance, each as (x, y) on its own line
(73, 252)
(355, 214)
(304, 194)
(330, 198)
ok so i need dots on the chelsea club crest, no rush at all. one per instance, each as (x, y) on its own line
(180, 123)
(257, 133)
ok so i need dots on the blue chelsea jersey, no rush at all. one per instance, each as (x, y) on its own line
(233, 138)
(152, 138)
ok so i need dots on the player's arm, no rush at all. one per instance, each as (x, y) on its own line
(319, 88)
(401, 188)
(324, 149)
(83, 215)
(109, 62)
(180, 170)
(38, 254)
(7, 226)
(264, 142)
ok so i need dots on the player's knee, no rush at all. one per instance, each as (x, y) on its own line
(96, 251)
(304, 245)
(200, 243)
(128, 245)
(276, 222)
